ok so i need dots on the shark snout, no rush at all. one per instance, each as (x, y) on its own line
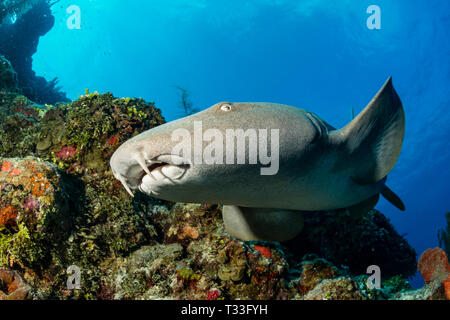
(142, 165)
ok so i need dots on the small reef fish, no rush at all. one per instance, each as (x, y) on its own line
(317, 166)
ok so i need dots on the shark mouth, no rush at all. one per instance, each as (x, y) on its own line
(145, 174)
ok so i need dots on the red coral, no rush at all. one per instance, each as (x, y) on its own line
(113, 140)
(264, 251)
(66, 153)
(6, 166)
(433, 265)
(213, 294)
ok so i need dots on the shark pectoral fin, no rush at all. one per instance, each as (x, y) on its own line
(390, 196)
(373, 139)
(360, 209)
(262, 224)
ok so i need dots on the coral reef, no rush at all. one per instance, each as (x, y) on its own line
(34, 213)
(61, 206)
(356, 242)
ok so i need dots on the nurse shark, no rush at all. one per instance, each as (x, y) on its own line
(318, 167)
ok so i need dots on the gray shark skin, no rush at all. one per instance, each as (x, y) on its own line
(320, 168)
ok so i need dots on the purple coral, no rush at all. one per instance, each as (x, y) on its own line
(66, 152)
(31, 204)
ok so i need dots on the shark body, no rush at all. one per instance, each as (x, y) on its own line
(319, 167)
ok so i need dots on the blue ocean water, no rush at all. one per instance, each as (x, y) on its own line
(315, 54)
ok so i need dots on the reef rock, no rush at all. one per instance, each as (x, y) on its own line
(435, 269)
(13, 287)
(8, 77)
(313, 272)
(356, 242)
(336, 289)
(35, 202)
(431, 291)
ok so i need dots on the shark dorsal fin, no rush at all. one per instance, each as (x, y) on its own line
(374, 138)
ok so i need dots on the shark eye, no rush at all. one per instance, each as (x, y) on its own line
(225, 107)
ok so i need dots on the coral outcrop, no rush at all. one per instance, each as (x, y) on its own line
(18, 43)
(35, 213)
(435, 269)
(433, 265)
(356, 242)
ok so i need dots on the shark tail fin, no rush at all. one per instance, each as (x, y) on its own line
(390, 196)
(373, 139)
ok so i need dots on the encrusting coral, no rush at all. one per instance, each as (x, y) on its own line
(61, 206)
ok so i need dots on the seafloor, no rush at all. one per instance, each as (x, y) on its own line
(60, 206)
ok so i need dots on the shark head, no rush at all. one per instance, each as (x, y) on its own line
(265, 162)
(198, 158)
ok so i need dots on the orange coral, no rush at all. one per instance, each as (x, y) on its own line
(446, 284)
(39, 184)
(6, 166)
(14, 172)
(433, 265)
(7, 216)
(189, 232)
